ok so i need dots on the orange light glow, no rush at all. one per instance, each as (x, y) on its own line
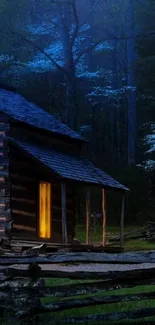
(45, 210)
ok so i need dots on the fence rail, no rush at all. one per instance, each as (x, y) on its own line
(22, 289)
(57, 258)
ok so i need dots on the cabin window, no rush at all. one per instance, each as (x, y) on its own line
(45, 210)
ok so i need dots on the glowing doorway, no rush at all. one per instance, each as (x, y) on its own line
(45, 210)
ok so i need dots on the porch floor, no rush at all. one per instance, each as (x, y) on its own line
(21, 245)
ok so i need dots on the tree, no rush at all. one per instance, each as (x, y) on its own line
(131, 96)
(91, 52)
(69, 51)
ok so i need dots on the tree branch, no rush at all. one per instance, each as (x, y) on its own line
(89, 49)
(75, 33)
(119, 38)
(91, 11)
(59, 67)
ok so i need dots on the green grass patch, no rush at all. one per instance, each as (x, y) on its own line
(129, 245)
(99, 309)
(66, 281)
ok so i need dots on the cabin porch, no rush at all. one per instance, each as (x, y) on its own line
(43, 186)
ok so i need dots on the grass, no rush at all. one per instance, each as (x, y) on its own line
(129, 245)
(99, 309)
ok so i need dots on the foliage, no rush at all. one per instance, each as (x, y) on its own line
(73, 59)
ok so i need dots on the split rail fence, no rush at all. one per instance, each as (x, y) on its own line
(23, 285)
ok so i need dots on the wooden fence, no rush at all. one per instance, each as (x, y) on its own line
(23, 287)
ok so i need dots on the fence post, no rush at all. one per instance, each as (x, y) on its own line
(122, 222)
(64, 212)
(103, 218)
(87, 217)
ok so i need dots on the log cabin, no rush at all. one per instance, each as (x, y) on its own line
(40, 166)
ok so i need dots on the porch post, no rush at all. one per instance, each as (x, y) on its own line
(63, 210)
(122, 222)
(104, 219)
(87, 216)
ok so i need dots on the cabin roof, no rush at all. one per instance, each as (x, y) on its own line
(69, 167)
(20, 109)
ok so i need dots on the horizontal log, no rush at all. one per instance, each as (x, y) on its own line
(23, 194)
(69, 258)
(88, 257)
(69, 290)
(4, 153)
(2, 133)
(4, 173)
(2, 193)
(93, 301)
(23, 200)
(2, 219)
(2, 207)
(19, 187)
(3, 185)
(129, 234)
(3, 165)
(25, 191)
(57, 291)
(4, 127)
(29, 221)
(5, 214)
(23, 213)
(96, 275)
(22, 179)
(115, 316)
(17, 164)
(56, 238)
(23, 228)
(25, 208)
(91, 287)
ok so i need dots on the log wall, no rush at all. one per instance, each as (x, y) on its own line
(4, 174)
(25, 175)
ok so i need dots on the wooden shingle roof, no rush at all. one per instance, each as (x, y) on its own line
(69, 167)
(21, 110)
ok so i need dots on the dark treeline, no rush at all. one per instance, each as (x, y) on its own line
(92, 64)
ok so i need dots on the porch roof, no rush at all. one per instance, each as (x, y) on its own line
(69, 167)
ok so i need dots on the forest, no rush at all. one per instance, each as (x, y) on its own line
(91, 63)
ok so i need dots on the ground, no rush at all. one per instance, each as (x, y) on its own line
(129, 245)
(133, 245)
(106, 308)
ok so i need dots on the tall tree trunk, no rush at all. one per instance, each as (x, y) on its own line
(66, 21)
(131, 92)
(71, 104)
(117, 108)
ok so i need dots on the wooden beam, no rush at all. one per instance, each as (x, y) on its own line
(103, 218)
(64, 212)
(122, 222)
(87, 217)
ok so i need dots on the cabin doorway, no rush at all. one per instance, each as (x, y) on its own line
(45, 216)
